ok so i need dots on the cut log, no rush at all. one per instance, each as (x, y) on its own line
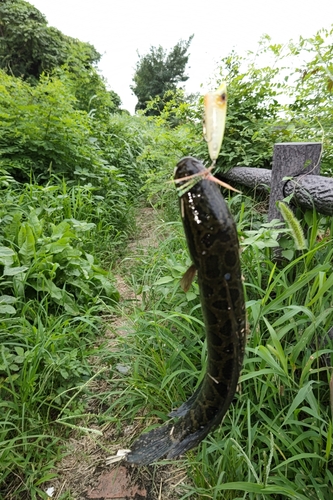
(313, 191)
(309, 191)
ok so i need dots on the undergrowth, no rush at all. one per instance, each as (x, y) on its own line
(53, 290)
(71, 173)
(276, 439)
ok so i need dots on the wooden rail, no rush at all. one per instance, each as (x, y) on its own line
(295, 171)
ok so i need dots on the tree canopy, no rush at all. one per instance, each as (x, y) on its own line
(159, 71)
(29, 47)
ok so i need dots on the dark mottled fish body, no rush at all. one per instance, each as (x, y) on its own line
(213, 245)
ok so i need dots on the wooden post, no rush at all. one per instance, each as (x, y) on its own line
(291, 159)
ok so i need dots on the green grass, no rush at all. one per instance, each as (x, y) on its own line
(43, 364)
(52, 292)
(276, 440)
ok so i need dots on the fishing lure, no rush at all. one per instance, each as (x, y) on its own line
(215, 106)
(215, 112)
(213, 246)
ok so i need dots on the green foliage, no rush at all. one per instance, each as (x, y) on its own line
(42, 258)
(159, 71)
(43, 369)
(174, 108)
(145, 148)
(84, 166)
(275, 441)
(89, 91)
(310, 113)
(251, 116)
(42, 132)
(257, 114)
(169, 136)
(252, 125)
(51, 293)
(28, 47)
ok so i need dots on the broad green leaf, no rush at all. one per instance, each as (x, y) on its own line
(14, 367)
(22, 235)
(60, 229)
(71, 307)
(20, 351)
(7, 309)
(90, 258)
(82, 225)
(190, 296)
(58, 246)
(26, 241)
(288, 254)
(7, 299)
(13, 271)
(48, 286)
(164, 280)
(35, 224)
(6, 256)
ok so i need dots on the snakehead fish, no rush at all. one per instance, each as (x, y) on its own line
(213, 246)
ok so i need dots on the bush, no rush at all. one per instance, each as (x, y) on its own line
(42, 132)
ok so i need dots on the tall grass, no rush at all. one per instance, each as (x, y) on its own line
(42, 365)
(276, 440)
(52, 291)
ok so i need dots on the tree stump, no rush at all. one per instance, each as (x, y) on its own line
(291, 159)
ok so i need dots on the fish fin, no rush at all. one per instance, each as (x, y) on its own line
(163, 443)
(188, 277)
(151, 446)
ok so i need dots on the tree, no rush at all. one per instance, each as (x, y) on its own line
(310, 113)
(29, 47)
(158, 72)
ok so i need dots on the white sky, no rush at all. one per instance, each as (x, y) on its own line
(120, 28)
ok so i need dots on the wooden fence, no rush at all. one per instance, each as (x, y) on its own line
(295, 171)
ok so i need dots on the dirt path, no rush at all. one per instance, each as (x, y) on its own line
(85, 472)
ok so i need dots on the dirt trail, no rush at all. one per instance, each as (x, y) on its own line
(84, 472)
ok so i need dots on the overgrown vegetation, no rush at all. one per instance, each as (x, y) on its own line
(29, 47)
(72, 169)
(276, 440)
(158, 73)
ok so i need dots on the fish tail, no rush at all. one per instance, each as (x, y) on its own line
(164, 442)
(151, 446)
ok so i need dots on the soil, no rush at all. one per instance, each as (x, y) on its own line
(86, 472)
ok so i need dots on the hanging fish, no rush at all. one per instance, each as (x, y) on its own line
(213, 246)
